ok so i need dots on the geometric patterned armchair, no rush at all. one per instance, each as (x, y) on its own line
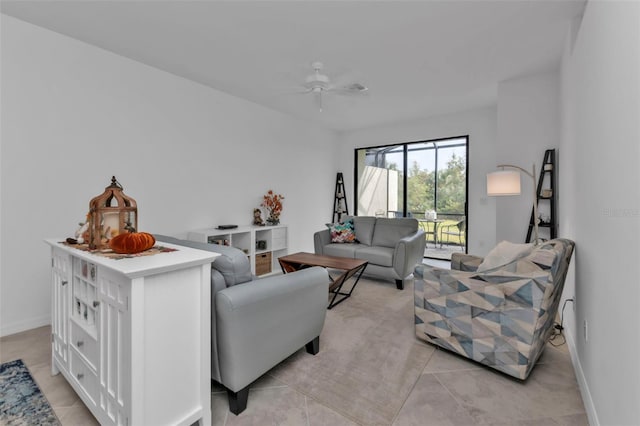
(501, 317)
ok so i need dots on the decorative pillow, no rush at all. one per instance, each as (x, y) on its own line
(505, 252)
(342, 232)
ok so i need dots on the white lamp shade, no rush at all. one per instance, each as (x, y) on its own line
(503, 182)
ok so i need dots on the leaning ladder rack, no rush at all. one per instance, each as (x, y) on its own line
(340, 201)
(547, 194)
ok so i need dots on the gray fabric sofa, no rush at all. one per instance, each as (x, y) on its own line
(392, 247)
(256, 324)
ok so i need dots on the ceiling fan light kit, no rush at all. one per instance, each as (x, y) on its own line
(318, 83)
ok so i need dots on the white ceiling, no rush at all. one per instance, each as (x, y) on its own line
(418, 58)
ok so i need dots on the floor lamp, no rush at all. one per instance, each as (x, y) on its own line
(507, 182)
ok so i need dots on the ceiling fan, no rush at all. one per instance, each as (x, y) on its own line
(319, 84)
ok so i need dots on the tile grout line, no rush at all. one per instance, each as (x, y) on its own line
(226, 416)
(460, 404)
(306, 409)
(335, 410)
(47, 366)
(395, 417)
(411, 288)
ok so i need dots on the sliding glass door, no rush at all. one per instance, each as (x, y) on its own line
(380, 176)
(426, 180)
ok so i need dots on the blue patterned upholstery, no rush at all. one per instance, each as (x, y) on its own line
(501, 317)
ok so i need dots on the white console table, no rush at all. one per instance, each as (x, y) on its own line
(132, 336)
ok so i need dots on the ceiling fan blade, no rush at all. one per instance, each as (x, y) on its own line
(351, 89)
(321, 83)
(302, 90)
(294, 90)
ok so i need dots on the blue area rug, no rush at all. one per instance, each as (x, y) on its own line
(21, 401)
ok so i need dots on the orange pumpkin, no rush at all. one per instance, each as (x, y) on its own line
(132, 242)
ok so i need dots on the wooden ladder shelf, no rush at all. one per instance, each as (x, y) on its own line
(340, 201)
(546, 198)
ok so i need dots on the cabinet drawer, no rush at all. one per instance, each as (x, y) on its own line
(84, 344)
(83, 375)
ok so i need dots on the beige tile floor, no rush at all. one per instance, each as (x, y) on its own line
(450, 391)
(34, 348)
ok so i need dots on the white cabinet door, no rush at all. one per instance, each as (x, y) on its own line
(60, 301)
(132, 336)
(115, 346)
(85, 295)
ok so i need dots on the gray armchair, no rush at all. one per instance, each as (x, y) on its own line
(256, 324)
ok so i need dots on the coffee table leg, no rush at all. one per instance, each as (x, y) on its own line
(290, 267)
(340, 282)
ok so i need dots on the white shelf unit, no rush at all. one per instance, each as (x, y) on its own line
(247, 239)
(112, 340)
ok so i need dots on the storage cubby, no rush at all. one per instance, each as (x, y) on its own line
(239, 240)
(262, 244)
(263, 236)
(264, 264)
(242, 241)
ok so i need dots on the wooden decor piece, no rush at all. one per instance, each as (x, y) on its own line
(110, 214)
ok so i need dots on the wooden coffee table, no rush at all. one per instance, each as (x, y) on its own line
(351, 267)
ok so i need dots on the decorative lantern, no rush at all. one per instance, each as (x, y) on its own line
(111, 214)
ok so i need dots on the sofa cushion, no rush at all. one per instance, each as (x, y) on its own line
(382, 256)
(342, 232)
(364, 226)
(503, 253)
(341, 250)
(232, 263)
(388, 232)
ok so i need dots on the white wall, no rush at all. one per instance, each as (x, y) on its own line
(74, 115)
(479, 124)
(600, 207)
(567, 192)
(528, 124)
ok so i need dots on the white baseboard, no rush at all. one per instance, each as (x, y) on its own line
(17, 327)
(592, 415)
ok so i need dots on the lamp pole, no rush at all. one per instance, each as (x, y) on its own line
(532, 175)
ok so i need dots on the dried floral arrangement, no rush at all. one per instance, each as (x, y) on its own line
(272, 202)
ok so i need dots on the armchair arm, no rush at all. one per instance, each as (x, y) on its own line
(408, 251)
(321, 239)
(465, 262)
(262, 322)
